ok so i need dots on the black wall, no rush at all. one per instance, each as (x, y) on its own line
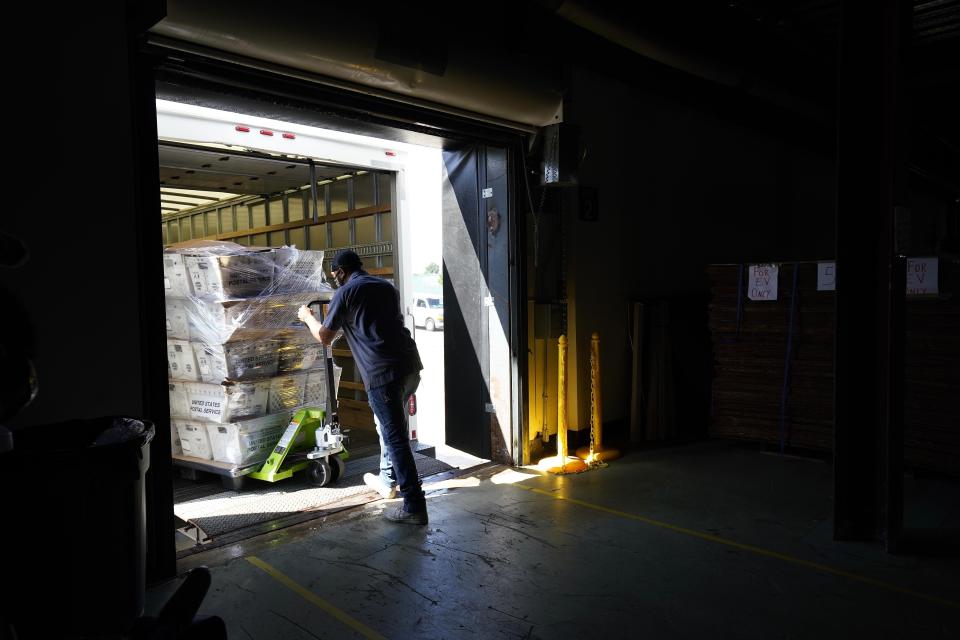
(682, 184)
(86, 211)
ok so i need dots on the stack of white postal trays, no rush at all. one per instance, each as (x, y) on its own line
(240, 363)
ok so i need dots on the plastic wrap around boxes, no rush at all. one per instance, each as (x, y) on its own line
(226, 271)
(222, 321)
(240, 362)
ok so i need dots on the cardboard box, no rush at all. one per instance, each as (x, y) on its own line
(176, 280)
(178, 322)
(286, 392)
(299, 271)
(194, 439)
(299, 352)
(219, 322)
(250, 441)
(236, 361)
(297, 390)
(175, 448)
(179, 403)
(315, 389)
(203, 321)
(226, 402)
(181, 361)
(234, 276)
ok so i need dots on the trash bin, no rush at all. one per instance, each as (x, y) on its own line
(74, 526)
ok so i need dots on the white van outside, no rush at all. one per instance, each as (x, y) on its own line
(427, 312)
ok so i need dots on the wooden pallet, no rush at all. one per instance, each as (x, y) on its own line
(750, 401)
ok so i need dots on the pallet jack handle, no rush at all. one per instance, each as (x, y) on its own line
(332, 409)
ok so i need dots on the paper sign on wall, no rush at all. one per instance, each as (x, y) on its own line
(763, 282)
(826, 276)
(922, 276)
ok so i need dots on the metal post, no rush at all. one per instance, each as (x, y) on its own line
(596, 452)
(868, 421)
(596, 418)
(313, 191)
(562, 398)
(351, 205)
(562, 463)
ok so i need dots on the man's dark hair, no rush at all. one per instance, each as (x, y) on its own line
(348, 260)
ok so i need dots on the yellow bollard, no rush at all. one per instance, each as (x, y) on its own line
(562, 463)
(596, 452)
(562, 398)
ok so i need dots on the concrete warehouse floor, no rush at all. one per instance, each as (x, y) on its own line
(704, 541)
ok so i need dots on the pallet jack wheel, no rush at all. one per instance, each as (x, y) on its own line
(320, 473)
(339, 467)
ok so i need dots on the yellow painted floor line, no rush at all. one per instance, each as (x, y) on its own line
(749, 547)
(310, 596)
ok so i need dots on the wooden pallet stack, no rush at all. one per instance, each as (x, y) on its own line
(750, 401)
(750, 345)
(932, 378)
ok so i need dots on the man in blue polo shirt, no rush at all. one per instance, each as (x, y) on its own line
(367, 308)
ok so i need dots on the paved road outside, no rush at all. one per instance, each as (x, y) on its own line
(430, 398)
(431, 427)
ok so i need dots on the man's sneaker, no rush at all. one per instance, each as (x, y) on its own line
(402, 516)
(375, 483)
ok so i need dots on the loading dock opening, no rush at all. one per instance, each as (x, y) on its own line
(320, 189)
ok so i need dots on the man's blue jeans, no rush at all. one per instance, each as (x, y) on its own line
(389, 404)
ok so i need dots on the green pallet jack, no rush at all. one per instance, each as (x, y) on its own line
(326, 461)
